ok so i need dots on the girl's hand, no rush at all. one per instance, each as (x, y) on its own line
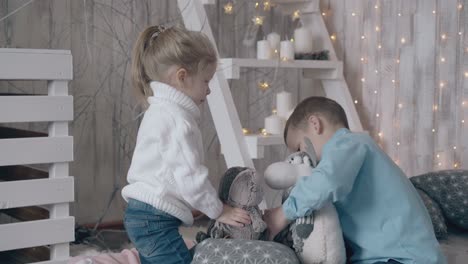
(234, 216)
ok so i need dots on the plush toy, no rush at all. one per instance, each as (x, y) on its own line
(316, 238)
(241, 188)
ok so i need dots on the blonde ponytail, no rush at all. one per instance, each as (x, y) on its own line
(157, 49)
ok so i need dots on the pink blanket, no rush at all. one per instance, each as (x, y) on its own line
(125, 257)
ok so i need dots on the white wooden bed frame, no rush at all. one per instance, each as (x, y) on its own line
(56, 192)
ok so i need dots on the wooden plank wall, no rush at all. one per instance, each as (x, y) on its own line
(101, 33)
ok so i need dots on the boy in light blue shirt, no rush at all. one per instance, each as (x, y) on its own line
(382, 216)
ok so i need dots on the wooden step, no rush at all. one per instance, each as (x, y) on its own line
(313, 69)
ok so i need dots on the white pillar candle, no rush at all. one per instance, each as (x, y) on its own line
(274, 40)
(274, 124)
(263, 50)
(283, 104)
(287, 50)
(302, 40)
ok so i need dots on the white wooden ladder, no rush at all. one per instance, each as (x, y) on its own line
(240, 149)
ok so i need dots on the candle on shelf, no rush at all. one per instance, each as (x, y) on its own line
(287, 50)
(274, 124)
(274, 40)
(283, 104)
(263, 50)
(302, 40)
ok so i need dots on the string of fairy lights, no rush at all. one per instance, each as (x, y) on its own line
(401, 40)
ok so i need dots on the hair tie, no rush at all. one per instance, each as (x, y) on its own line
(160, 29)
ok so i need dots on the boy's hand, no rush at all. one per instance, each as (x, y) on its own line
(275, 220)
(234, 216)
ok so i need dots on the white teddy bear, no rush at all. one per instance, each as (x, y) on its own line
(317, 239)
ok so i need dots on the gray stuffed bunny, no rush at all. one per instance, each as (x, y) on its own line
(240, 187)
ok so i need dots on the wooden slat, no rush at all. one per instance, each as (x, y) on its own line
(35, 150)
(9, 132)
(18, 64)
(16, 173)
(35, 108)
(36, 233)
(30, 213)
(36, 192)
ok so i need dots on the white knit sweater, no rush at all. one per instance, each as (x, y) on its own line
(167, 168)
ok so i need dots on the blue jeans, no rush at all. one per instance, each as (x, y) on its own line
(155, 234)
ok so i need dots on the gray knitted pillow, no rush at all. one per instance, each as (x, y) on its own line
(235, 251)
(437, 218)
(449, 189)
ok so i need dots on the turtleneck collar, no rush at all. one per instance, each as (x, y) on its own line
(165, 92)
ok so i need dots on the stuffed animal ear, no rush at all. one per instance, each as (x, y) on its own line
(244, 188)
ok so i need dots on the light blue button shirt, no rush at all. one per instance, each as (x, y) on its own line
(381, 213)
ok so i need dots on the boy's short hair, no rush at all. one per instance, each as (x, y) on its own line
(316, 105)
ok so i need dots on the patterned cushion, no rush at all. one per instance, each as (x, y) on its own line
(437, 218)
(242, 251)
(449, 189)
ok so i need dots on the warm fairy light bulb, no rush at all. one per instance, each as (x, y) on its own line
(438, 156)
(433, 130)
(379, 46)
(375, 91)
(399, 14)
(245, 131)
(376, 71)
(292, 40)
(333, 37)
(355, 101)
(377, 28)
(455, 165)
(228, 8)
(266, 5)
(264, 132)
(442, 59)
(263, 85)
(362, 59)
(363, 37)
(398, 143)
(440, 164)
(258, 20)
(393, 81)
(296, 15)
(403, 40)
(454, 147)
(324, 14)
(363, 79)
(463, 121)
(460, 6)
(380, 134)
(353, 14)
(400, 105)
(377, 115)
(274, 111)
(442, 84)
(443, 36)
(435, 107)
(466, 74)
(433, 12)
(398, 61)
(256, 4)
(376, 6)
